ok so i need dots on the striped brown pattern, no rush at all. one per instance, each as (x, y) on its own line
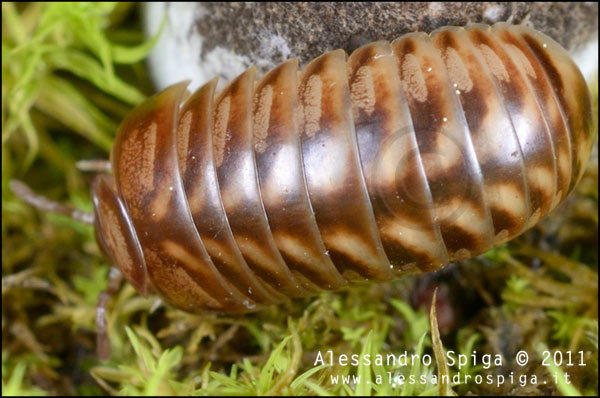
(401, 158)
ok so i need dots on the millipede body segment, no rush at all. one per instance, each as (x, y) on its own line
(401, 158)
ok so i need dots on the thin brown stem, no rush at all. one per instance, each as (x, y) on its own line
(102, 341)
(95, 165)
(21, 190)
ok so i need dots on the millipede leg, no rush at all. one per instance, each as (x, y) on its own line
(102, 342)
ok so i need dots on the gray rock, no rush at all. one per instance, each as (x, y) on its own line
(208, 39)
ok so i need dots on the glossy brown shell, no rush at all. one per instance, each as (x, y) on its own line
(402, 158)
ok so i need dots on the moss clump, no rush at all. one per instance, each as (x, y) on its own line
(538, 293)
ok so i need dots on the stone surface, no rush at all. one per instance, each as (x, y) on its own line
(224, 38)
(310, 29)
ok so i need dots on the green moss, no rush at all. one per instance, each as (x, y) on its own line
(68, 79)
